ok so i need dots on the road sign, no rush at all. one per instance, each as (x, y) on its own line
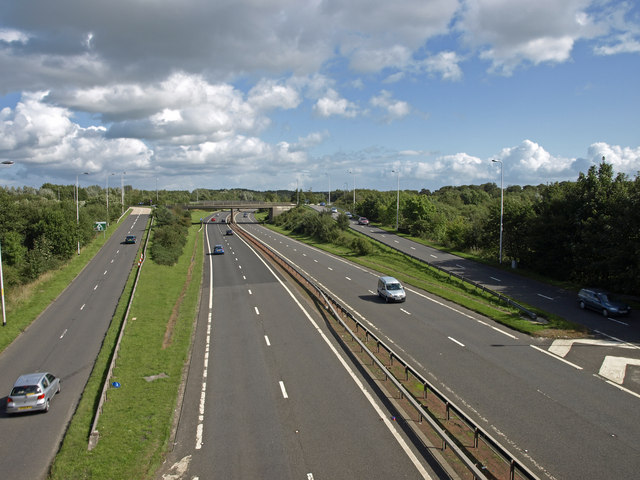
(100, 226)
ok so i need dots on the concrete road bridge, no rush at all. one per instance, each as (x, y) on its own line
(275, 208)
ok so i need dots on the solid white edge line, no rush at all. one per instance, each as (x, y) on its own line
(392, 428)
(622, 388)
(577, 367)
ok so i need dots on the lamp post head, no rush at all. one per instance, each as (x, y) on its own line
(7, 162)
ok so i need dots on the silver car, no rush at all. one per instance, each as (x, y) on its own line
(33, 391)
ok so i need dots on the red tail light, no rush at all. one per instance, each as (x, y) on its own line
(9, 400)
(41, 396)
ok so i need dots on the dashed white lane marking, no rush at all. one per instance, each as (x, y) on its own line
(348, 278)
(284, 390)
(266, 339)
(63, 333)
(496, 279)
(403, 310)
(105, 272)
(83, 305)
(545, 297)
(456, 341)
(250, 292)
(257, 311)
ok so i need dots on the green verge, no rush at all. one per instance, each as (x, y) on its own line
(136, 421)
(34, 298)
(418, 274)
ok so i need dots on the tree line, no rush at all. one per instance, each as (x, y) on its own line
(586, 232)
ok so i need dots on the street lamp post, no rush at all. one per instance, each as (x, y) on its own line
(397, 171)
(4, 315)
(78, 210)
(354, 190)
(122, 190)
(108, 198)
(501, 204)
(329, 188)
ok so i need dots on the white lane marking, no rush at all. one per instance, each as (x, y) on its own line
(63, 333)
(622, 388)
(403, 310)
(544, 296)
(243, 277)
(562, 347)
(257, 311)
(348, 278)
(330, 268)
(496, 279)
(96, 287)
(284, 390)
(456, 341)
(83, 305)
(266, 339)
(250, 293)
(390, 426)
(413, 248)
(105, 272)
(111, 260)
(309, 476)
(459, 266)
(396, 241)
(577, 367)
(432, 255)
(240, 267)
(618, 321)
(315, 260)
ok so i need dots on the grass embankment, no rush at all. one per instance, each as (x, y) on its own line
(135, 424)
(25, 303)
(418, 274)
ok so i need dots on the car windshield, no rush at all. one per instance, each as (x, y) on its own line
(604, 297)
(393, 286)
(25, 390)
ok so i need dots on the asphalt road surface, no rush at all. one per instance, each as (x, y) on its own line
(550, 403)
(269, 395)
(64, 340)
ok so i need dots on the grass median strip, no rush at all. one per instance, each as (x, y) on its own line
(413, 272)
(136, 421)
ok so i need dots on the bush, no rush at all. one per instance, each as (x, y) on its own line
(361, 246)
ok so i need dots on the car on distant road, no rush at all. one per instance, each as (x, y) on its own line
(601, 301)
(33, 392)
(244, 215)
(218, 250)
(363, 221)
(229, 231)
(348, 214)
(322, 204)
(334, 210)
(130, 239)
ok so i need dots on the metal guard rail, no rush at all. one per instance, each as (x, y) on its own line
(331, 303)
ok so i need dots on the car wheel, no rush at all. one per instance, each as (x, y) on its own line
(47, 405)
(605, 312)
(581, 304)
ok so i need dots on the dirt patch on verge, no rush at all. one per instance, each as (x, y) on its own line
(168, 333)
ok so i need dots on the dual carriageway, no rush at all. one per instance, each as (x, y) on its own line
(270, 394)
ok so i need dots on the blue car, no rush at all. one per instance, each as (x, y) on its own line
(218, 250)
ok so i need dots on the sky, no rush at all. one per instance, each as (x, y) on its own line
(317, 94)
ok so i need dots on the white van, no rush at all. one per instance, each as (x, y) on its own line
(391, 289)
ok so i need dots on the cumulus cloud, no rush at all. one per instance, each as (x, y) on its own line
(332, 104)
(509, 32)
(393, 109)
